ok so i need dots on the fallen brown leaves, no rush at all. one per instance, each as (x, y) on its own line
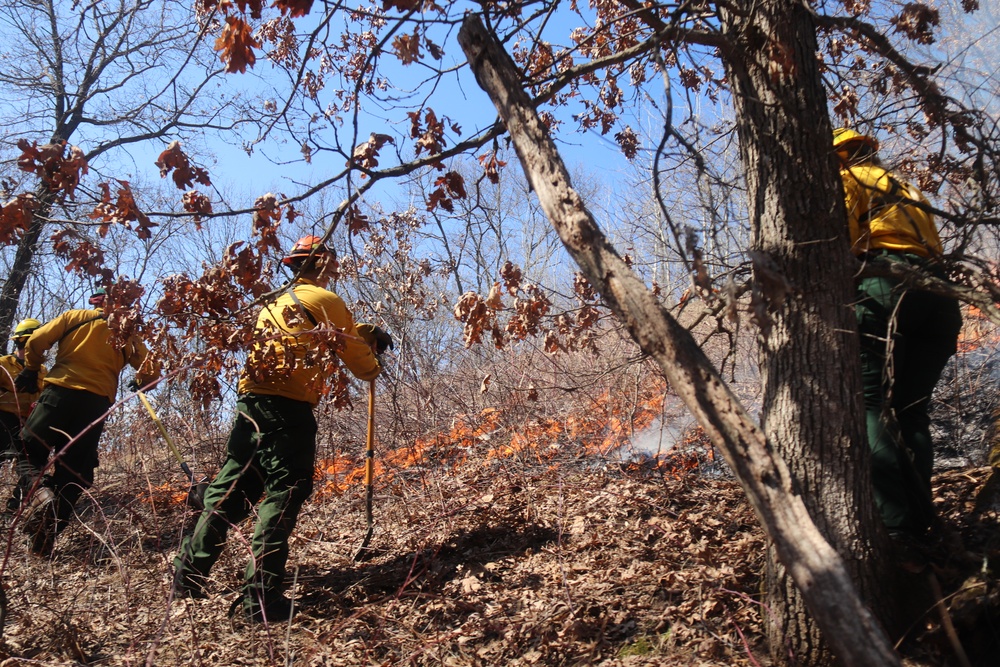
(496, 562)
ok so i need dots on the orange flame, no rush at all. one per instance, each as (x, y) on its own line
(977, 331)
(168, 493)
(607, 424)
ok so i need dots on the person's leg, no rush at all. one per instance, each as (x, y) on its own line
(875, 309)
(287, 455)
(66, 424)
(38, 515)
(82, 416)
(39, 439)
(228, 501)
(930, 324)
(10, 450)
(10, 435)
(73, 469)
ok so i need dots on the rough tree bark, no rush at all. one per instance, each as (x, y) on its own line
(816, 568)
(20, 269)
(802, 267)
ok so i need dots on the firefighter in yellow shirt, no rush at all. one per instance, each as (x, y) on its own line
(272, 447)
(68, 418)
(907, 336)
(14, 406)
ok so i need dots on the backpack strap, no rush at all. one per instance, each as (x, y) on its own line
(295, 298)
(899, 196)
(73, 328)
(78, 325)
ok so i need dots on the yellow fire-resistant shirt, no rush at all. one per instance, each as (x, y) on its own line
(11, 401)
(880, 215)
(278, 365)
(85, 360)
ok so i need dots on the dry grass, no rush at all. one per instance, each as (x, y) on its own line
(493, 562)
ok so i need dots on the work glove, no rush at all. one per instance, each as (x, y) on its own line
(133, 385)
(26, 382)
(376, 337)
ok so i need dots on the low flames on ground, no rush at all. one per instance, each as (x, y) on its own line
(606, 427)
(541, 549)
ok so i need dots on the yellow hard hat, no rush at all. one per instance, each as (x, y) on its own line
(25, 328)
(845, 135)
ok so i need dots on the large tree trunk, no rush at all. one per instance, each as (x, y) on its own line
(812, 410)
(816, 568)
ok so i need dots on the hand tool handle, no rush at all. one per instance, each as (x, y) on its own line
(166, 436)
(370, 440)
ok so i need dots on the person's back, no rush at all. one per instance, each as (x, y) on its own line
(885, 212)
(302, 321)
(85, 358)
(15, 406)
(12, 401)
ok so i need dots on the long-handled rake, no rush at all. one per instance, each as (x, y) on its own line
(363, 551)
(196, 490)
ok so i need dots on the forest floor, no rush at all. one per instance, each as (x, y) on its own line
(515, 561)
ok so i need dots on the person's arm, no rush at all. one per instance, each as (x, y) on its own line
(8, 371)
(43, 338)
(330, 310)
(147, 369)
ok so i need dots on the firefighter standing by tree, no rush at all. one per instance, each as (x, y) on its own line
(76, 396)
(15, 407)
(271, 450)
(907, 336)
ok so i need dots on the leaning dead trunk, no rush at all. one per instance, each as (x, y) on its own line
(814, 565)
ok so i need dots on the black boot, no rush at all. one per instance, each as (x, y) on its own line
(188, 586)
(40, 522)
(266, 607)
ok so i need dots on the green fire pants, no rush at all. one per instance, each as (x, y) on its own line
(275, 462)
(59, 415)
(907, 337)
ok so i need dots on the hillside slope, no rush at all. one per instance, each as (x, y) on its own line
(488, 562)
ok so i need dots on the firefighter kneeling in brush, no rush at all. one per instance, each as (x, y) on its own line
(271, 449)
(68, 418)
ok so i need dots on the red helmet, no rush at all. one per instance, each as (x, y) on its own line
(304, 247)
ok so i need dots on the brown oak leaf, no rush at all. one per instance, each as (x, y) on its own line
(15, 217)
(236, 45)
(366, 154)
(407, 47)
(266, 217)
(197, 204)
(174, 159)
(60, 173)
(294, 8)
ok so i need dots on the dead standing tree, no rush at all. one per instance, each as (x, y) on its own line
(814, 566)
